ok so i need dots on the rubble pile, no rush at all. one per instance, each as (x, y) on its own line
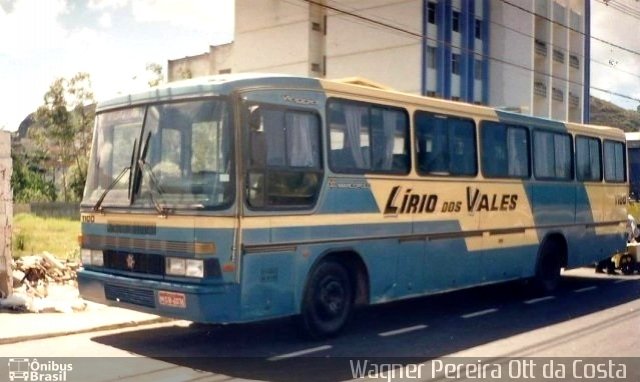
(44, 283)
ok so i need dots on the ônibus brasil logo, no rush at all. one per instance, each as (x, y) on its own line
(25, 369)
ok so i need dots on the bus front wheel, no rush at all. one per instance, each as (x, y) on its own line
(328, 301)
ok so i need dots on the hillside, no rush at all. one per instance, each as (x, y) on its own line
(608, 114)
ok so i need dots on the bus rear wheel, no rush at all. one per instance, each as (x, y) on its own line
(547, 277)
(328, 301)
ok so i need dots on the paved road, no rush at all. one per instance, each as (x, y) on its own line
(589, 316)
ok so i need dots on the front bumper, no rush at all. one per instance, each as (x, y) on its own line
(202, 303)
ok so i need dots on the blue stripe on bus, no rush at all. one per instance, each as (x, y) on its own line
(347, 200)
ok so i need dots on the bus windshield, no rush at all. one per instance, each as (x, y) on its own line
(177, 155)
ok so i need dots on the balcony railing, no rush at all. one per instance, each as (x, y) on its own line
(558, 56)
(540, 47)
(574, 62)
(557, 94)
(540, 88)
(574, 100)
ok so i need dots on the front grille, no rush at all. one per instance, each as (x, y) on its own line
(134, 262)
(143, 297)
(148, 245)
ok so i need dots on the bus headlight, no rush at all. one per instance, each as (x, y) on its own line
(175, 266)
(97, 258)
(85, 256)
(92, 257)
(184, 267)
(195, 268)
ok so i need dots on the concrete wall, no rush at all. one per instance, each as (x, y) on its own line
(510, 85)
(359, 48)
(188, 67)
(272, 36)
(6, 213)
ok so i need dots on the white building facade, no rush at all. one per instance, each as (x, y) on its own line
(527, 55)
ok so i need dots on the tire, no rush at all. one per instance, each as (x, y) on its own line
(547, 277)
(628, 265)
(327, 302)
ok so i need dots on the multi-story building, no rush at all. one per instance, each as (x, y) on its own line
(524, 55)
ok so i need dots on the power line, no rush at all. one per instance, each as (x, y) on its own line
(623, 8)
(424, 37)
(571, 28)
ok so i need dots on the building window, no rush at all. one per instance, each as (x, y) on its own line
(455, 63)
(540, 88)
(315, 67)
(540, 47)
(574, 62)
(557, 94)
(574, 100)
(477, 70)
(478, 29)
(446, 145)
(431, 12)
(455, 21)
(558, 56)
(224, 71)
(431, 57)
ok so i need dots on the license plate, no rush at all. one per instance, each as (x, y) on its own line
(172, 299)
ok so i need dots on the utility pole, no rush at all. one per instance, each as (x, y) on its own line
(6, 215)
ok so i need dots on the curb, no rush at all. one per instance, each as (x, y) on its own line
(123, 325)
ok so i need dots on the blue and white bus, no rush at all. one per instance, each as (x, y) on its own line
(249, 197)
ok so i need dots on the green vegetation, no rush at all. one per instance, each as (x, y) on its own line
(607, 114)
(51, 156)
(33, 235)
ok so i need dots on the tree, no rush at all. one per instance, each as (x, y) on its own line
(64, 124)
(28, 182)
(155, 70)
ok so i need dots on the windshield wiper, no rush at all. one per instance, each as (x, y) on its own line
(154, 186)
(98, 206)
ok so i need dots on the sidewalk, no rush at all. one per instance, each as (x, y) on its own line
(17, 327)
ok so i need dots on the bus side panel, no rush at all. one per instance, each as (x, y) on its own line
(552, 203)
(268, 285)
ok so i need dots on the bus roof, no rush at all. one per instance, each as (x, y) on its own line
(356, 86)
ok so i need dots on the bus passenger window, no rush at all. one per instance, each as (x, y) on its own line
(552, 155)
(614, 162)
(446, 145)
(367, 138)
(588, 159)
(505, 150)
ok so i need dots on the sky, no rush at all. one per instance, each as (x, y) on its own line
(114, 40)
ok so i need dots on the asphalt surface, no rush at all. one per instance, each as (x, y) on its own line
(588, 316)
